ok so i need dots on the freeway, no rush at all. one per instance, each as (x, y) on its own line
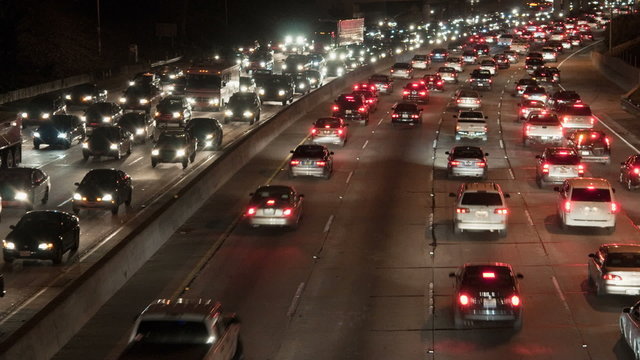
(30, 284)
(365, 276)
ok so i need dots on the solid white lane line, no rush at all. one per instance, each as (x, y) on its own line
(136, 160)
(560, 294)
(295, 300)
(573, 53)
(23, 305)
(618, 135)
(365, 144)
(349, 177)
(64, 202)
(327, 226)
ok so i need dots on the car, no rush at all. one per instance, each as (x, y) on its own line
(469, 57)
(276, 88)
(630, 327)
(486, 292)
(406, 112)
(535, 92)
(455, 62)
(370, 96)
(557, 164)
(301, 83)
(448, 74)
(471, 125)
(296, 63)
(383, 83)
(274, 206)
(520, 47)
(173, 109)
(576, 40)
(587, 202)
(365, 86)
(174, 146)
(41, 108)
(502, 61)
(480, 207)
(576, 116)
(24, 187)
(532, 64)
(42, 235)
(311, 160)
(107, 141)
(59, 130)
(243, 107)
(168, 73)
(315, 77)
(145, 78)
(480, 79)
(522, 84)
(260, 60)
(140, 97)
(103, 189)
(416, 91)
(542, 127)
(207, 132)
(317, 62)
(139, 124)
(402, 70)
(527, 106)
(85, 94)
(421, 62)
(563, 97)
(481, 49)
(505, 40)
(615, 269)
(543, 77)
(332, 130)
(102, 114)
(467, 161)
(630, 172)
(433, 82)
(351, 107)
(587, 35)
(466, 99)
(592, 145)
(489, 65)
(566, 44)
(336, 67)
(555, 45)
(184, 329)
(549, 54)
(177, 87)
(438, 55)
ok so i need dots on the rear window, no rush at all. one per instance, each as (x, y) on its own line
(334, 123)
(481, 198)
(347, 99)
(406, 107)
(172, 332)
(595, 195)
(401, 66)
(309, 151)
(544, 119)
(577, 111)
(563, 158)
(527, 82)
(468, 153)
(481, 276)
(420, 57)
(471, 114)
(623, 260)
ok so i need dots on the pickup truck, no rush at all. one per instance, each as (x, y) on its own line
(542, 127)
(471, 125)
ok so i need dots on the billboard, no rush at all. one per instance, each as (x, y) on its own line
(350, 31)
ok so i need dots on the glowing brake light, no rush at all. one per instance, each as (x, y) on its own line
(565, 119)
(501, 211)
(567, 206)
(545, 168)
(295, 162)
(414, 116)
(580, 169)
(340, 131)
(321, 163)
(395, 115)
(423, 93)
(454, 163)
(463, 300)
(271, 202)
(251, 211)
(406, 92)
(611, 277)
(414, 85)
(287, 212)
(636, 171)
(439, 82)
(515, 300)
(462, 210)
(614, 207)
(314, 131)
(606, 139)
(488, 275)
(362, 109)
(335, 108)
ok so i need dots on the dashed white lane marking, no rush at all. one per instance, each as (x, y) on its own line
(380, 122)
(327, 226)
(501, 144)
(529, 219)
(136, 160)
(560, 294)
(64, 202)
(365, 144)
(435, 143)
(511, 174)
(295, 300)
(23, 305)
(349, 177)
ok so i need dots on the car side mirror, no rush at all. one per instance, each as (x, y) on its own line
(614, 190)
(446, 153)
(301, 195)
(452, 195)
(452, 275)
(519, 276)
(291, 151)
(592, 255)
(76, 184)
(12, 227)
(251, 194)
(507, 195)
(486, 154)
(626, 310)
(455, 116)
(331, 153)
(538, 157)
(556, 188)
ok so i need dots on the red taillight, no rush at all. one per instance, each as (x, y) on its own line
(439, 82)
(385, 86)
(611, 277)
(515, 300)
(606, 139)
(545, 168)
(395, 116)
(567, 206)
(481, 164)
(488, 275)
(523, 111)
(370, 101)
(271, 202)
(501, 211)
(391, 70)
(287, 212)
(462, 210)
(477, 101)
(463, 300)
(636, 171)
(459, 100)
(593, 120)
(335, 108)
(565, 119)
(454, 163)
(406, 92)
(295, 162)
(415, 116)
(340, 131)
(581, 169)
(314, 130)
(321, 163)
(518, 87)
(251, 211)
(423, 93)
(362, 109)
(614, 207)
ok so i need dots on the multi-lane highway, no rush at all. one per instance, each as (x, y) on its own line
(365, 276)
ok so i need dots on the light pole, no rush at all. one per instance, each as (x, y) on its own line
(610, 29)
(99, 36)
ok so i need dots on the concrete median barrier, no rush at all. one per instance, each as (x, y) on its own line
(87, 285)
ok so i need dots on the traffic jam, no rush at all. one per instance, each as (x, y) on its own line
(177, 114)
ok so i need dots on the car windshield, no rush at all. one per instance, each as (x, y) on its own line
(591, 194)
(330, 122)
(62, 121)
(171, 140)
(106, 131)
(481, 198)
(99, 108)
(406, 107)
(172, 332)
(631, 260)
(100, 178)
(482, 276)
(202, 124)
(131, 119)
(37, 219)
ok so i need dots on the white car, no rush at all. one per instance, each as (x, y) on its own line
(489, 65)
(455, 62)
(615, 269)
(542, 127)
(576, 116)
(587, 202)
(480, 207)
(471, 125)
(630, 327)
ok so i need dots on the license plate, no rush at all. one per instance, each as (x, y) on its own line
(468, 163)
(563, 170)
(413, 93)
(269, 211)
(544, 137)
(25, 253)
(306, 162)
(347, 111)
(584, 152)
(489, 303)
(482, 213)
(632, 292)
(327, 132)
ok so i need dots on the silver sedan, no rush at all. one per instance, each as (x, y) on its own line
(615, 269)
(274, 206)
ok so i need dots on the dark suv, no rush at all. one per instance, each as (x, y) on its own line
(174, 146)
(351, 107)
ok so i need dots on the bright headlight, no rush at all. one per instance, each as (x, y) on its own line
(87, 98)
(77, 196)
(284, 66)
(209, 136)
(261, 91)
(262, 64)
(300, 67)
(247, 114)
(131, 83)
(9, 245)
(45, 115)
(191, 100)
(68, 97)
(113, 146)
(313, 80)
(106, 119)
(361, 58)
(228, 113)
(176, 115)
(180, 152)
(143, 101)
(281, 92)
(139, 131)
(208, 143)
(155, 152)
(24, 115)
(123, 99)
(244, 88)
(62, 135)
(301, 85)
(20, 196)
(45, 246)
(172, 76)
(83, 118)
(85, 145)
(36, 134)
(107, 197)
(214, 101)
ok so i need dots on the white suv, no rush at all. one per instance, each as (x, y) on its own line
(480, 207)
(587, 202)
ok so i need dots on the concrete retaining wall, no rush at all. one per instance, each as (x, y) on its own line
(616, 70)
(98, 279)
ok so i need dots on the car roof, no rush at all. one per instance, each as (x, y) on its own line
(481, 186)
(584, 182)
(193, 309)
(621, 248)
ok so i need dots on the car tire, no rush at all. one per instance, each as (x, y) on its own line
(76, 242)
(127, 202)
(36, 146)
(525, 142)
(611, 229)
(225, 121)
(599, 291)
(85, 155)
(76, 211)
(539, 182)
(456, 229)
(114, 209)
(57, 256)
(67, 145)
(517, 323)
(502, 233)
(45, 198)
(327, 175)
(284, 102)
(117, 156)
(129, 150)
(343, 142)
(563, 225)
(185, 163)
(458, 321)
(8, 259)
(629, 185)
(239, 351)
